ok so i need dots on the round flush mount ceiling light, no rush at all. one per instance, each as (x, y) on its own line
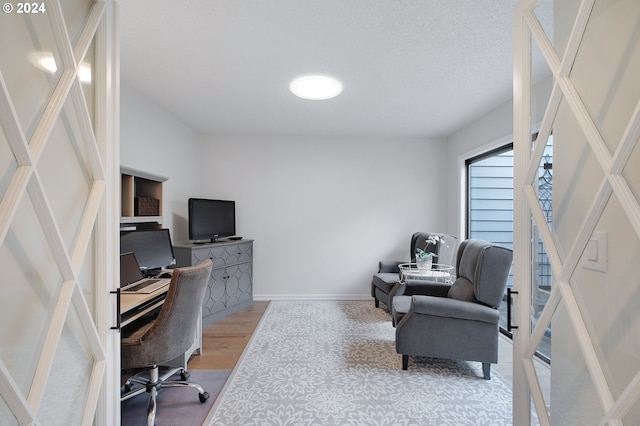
(315, 87)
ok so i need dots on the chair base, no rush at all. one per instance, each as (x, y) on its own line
(154, 383)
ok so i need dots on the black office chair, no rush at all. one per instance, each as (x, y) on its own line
(167, 337)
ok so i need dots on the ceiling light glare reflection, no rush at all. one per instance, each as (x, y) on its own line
(316, 87)
(46, 62)
(84, 72)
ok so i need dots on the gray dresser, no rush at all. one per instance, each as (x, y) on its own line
(231, 282)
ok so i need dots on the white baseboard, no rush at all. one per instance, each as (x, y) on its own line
(267, 297)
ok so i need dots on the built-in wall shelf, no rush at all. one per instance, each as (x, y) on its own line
(141, 198)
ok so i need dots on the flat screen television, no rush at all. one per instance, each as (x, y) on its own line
(210, 220)
(152, 248)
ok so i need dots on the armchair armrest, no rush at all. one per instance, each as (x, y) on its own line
(452, 308)
(389, 266)
(425, 288)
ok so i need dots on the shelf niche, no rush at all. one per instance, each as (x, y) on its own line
(135, 185)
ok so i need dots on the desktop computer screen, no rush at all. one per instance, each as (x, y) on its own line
(152, 248)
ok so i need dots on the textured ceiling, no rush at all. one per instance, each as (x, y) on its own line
(409, 67)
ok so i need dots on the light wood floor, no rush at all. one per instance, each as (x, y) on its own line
(224, 340)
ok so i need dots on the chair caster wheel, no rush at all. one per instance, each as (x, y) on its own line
(127, 388)
(185, 375)
(203, 396)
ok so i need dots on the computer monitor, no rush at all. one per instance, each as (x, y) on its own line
(152, 248)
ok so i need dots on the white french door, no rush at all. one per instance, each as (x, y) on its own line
(58, 192)
(592, 50)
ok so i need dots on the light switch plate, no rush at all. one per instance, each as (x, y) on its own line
(595, 254)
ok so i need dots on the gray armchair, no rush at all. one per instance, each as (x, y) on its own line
(167, 337)
(387, 276)
(460, 322)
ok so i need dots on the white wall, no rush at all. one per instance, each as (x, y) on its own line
(155, 141)
(323, 212)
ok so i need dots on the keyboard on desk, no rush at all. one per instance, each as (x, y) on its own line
(146, 286)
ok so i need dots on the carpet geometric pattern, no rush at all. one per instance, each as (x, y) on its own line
(334, 363)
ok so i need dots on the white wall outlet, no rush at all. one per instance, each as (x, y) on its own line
(595, 254)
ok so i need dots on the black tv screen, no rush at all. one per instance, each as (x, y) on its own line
(211, 219)
(152, 248)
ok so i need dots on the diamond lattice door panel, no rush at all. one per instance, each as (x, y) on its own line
(52, 190)
(592, 51)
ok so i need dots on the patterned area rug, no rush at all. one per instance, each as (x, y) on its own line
(334, 363)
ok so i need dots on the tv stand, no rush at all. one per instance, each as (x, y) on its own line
(230, 286)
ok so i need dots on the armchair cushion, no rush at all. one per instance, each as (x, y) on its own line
(385, 280)
(462, 289)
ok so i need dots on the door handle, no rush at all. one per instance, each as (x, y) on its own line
(118, 325)
(509, 293)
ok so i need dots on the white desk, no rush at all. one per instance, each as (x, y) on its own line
(134, 306)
